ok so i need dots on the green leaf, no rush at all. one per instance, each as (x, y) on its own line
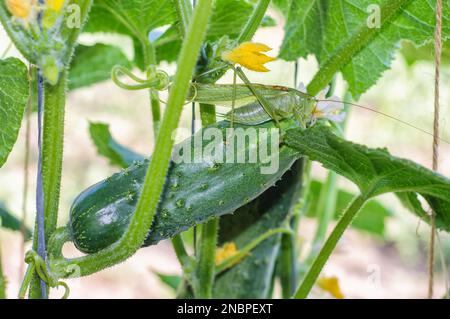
(125, 17)
(413, 54)
(172, 281)
(131, 17)
(304, 29)
(282, 5)
(338, 34)
(374, 171)
(370, 219)
(14, 91)
(109, 148)
(135, 18)
(9, 221)
(93, 64)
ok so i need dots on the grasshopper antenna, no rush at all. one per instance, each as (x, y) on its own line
(389, 116)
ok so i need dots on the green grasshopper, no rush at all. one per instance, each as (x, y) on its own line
(254, 104)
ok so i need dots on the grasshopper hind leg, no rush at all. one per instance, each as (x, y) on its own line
(261, 99)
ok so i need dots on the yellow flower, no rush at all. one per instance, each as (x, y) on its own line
(20, 9)
(226, 251)
(249, 55)
(55, 5)
(331, 285)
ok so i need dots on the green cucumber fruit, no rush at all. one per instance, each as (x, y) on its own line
(194, 192)
(252, 277)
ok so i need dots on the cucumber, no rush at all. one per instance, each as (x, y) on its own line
(252, 277)
(194, 192)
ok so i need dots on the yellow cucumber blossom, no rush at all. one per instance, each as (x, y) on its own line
(226, 251)
(21, 9)
(331, 285)
(250, 56)
(326, 108)
(52, 12)
(55, 5)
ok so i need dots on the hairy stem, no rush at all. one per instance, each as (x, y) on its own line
(52, 150)
(328, 248)
(325, 211)
(204, 275)
(149, 60)
(348, 49)
(52, 157)
(206, 268)
(157, 170)
(287, 263)
(180, 251)
(254, 22)
(183, 9)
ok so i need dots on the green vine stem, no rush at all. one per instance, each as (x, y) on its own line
(330, 245)
(52, 150)
(254, 22)
(287, 267)
(52, 158)
(205, 270)
(348, 49)
(157, 170)
(325, 210)
(287, 263)
(204, 274)
(180, 251)
(329, 193)
(150, 60)
(183, 9)
(327, 199)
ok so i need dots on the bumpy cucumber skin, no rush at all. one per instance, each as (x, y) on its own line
(193, 193)
(252, 277)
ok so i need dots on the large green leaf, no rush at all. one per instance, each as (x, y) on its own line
(328, 29)
(109, 148)
(14, 90)
(103, 57)
(131, 17)
(374, 171)
(282, 5)
(125, 17)
(9, 221)
(370, 219)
